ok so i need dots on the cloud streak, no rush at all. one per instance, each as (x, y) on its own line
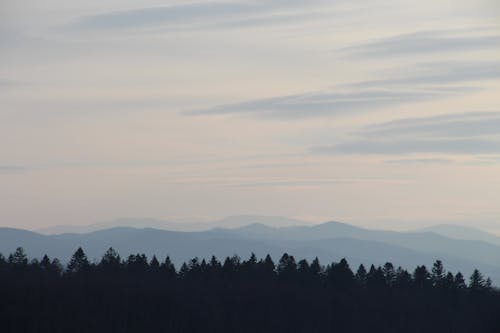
(470, 133)
(12, 169)
(425, 82)
(199, 14)
(439, 73)
(319, 104)
(408, 146)
(423, 42)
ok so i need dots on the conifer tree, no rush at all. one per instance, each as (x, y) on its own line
(78, 262)
(361, 275)
(476, 281)
(18, 258)
(438, 274)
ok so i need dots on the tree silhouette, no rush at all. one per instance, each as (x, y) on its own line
(459, 281)
(111, 261)
(167, 268)
(421, 277)
(154, 265)
(287, 267)
(340, 275)
(18, 258)
(239, 296)
(361, 275)
(438, 274)
(375, 278)
(389, 274)
(476, 281)
(78, 262)
(403, 279)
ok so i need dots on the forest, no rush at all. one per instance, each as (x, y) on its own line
(138, 294)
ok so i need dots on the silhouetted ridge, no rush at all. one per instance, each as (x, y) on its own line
(137, 294)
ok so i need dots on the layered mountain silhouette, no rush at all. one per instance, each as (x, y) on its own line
(235, 221)
(329, 241)
(461, 232)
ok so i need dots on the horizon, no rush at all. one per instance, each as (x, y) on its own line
(232, 222)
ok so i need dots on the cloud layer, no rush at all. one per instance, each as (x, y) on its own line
(423, 42)
(426, 82)
(470, 133)
(190, 15)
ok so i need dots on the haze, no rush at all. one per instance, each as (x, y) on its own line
(377, 113)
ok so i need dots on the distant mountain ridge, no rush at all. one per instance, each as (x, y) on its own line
(235, 221)
(462, 232)
(329, 241)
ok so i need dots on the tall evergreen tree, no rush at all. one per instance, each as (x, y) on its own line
(167, 269)
(421, 277)
(18, 258)
(459, 282)
(110, 261)
(361, 275)
(438, 274)
(389, 274)
(78, 262)
(476, 281)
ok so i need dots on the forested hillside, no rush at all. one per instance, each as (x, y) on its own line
(137, 294)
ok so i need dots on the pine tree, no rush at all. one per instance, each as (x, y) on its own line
(375, 278)
(110, 261)
(403, 278)
(268, 268)
(389, 274)
(78, 262)
(287, 267)
(361, 275)
(340, 275)
(184, 271)
(18, 258)
(438, 274)
(315, 267)
(459, 281)
(476, 281)
(449, 281)
(45, 263)
(167, 269)
(421, 277)
(154, 265)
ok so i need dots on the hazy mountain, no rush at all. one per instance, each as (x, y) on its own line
(121, 222)
(330, 242)
(227, 222)
(426, 242)
(462, 232)
(238, 221)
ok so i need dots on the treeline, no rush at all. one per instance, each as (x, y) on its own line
(138, 294)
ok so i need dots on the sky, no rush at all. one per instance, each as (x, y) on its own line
(384, 114)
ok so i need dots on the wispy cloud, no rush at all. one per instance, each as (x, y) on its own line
(470, 133)
(318, 182)
(8, 83)
(407, 146)
(318, 104)
(423, 82)
(438, 73)
(424, 42)
(200, 14)
(420, 161)
(10, 169)
(450, 125)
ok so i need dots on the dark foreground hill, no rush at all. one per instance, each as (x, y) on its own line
(140, 294)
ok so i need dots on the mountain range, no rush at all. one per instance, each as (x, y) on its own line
(329, 241)
(227, 222)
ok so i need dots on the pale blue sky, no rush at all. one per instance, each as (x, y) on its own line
(378, 113)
